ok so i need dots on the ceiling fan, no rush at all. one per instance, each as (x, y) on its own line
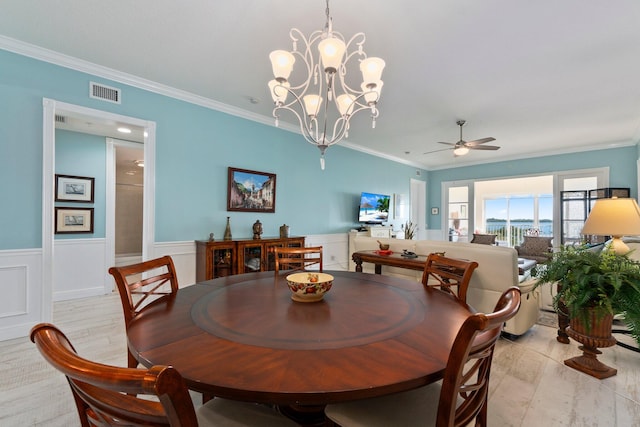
(462, 147)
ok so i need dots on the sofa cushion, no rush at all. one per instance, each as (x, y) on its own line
(484, 239)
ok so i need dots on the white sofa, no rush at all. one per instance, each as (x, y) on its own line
(497, 270)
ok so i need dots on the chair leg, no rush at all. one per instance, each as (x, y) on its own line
(132, 362)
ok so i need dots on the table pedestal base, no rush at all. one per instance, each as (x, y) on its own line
(305, 415)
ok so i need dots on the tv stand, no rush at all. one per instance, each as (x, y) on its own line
(379, 231)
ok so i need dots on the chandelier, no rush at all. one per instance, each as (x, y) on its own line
(323, 101)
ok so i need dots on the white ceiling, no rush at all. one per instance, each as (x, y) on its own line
(541, 77)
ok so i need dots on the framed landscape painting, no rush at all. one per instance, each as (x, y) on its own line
(251, 191)
(73, 220)
(74, 189)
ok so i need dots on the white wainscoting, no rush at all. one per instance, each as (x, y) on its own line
(335, 249)
(79, 267)
(184, 259)
(22, 304)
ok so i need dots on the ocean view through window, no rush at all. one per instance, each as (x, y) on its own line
(511, 217)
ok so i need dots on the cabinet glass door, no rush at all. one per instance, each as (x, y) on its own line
(223, 260)
(252, 258)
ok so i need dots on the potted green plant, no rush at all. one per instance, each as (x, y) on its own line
(593, 286)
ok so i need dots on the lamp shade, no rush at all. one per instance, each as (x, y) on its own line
(279, 91)
(312, 104)
(282, 64)
(345, 104)
(615, 217)
(372, 94)
(331, 51)
(371, 69)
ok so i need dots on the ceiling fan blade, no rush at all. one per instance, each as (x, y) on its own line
(479, 141)
(485, 147)
(447, 143)
(437, 151)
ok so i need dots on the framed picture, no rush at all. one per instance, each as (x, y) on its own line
(73, 220)
(74, 189)
(251, 191)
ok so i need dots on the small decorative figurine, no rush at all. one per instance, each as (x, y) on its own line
(284, 231)
(257, 229)
(211, 239)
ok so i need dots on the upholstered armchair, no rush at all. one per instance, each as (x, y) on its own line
(535, 247)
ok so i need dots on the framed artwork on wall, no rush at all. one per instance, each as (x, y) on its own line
(74, 188)
(73, 220)
(251, 191)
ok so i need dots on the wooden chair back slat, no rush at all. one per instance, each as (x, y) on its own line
(297, 259)
(444, 273)
(465, 386)
(140, 284)
(109, 395)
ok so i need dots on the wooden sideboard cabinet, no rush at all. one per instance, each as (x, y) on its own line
(221, 258)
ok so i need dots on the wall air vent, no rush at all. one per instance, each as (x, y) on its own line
(60, 119)
(105, 93)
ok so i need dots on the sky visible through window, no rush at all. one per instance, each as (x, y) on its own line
(519, 207)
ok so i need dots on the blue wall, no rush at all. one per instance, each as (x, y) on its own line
(196, 145)
(79, 154)
(621, 161)
(194, 148)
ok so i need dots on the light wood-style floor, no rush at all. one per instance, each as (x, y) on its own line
(530, 386)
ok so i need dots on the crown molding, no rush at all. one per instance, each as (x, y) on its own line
(57, 58)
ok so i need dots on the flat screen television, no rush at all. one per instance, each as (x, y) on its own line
(374, 208)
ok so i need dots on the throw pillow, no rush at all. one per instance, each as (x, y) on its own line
(484, 239)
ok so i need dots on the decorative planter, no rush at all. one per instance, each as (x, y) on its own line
(597, 335)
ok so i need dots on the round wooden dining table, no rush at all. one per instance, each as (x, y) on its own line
(242, 337)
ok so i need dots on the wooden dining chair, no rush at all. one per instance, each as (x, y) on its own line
(458, 399)
(297, 259)
(108, 395)
(444, 273)
(142, 283)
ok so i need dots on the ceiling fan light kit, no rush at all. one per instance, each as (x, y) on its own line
(463, 147)
(323, 102)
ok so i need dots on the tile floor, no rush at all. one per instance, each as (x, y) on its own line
(530, 386)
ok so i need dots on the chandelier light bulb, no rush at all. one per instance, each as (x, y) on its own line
(282, 64)
(371, 69)
(312, 104)
(279, 91)
(345, 104)
(331, 51)
(372, 91)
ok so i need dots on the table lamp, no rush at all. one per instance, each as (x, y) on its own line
(615, 217)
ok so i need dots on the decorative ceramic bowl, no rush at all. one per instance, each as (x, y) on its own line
(384, 247)
(309, 287)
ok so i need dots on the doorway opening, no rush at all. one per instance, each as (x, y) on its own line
(52, 109)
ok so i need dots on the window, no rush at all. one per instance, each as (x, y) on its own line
(512, 216)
